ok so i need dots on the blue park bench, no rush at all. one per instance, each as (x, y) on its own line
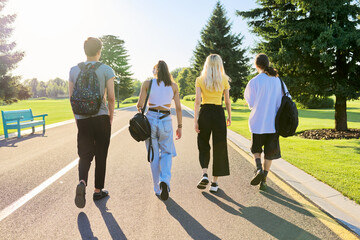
(19, 119)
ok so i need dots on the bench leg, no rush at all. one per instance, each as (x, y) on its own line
(6, 133)
(19, 135)
(33, 130)
(43, 129)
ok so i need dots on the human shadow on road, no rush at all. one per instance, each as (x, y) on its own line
(111, 223)
(285, 201)
(11, 142)
(274, 225)
(190, 225)
(84, 227)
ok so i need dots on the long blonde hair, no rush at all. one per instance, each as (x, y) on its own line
(213, 73)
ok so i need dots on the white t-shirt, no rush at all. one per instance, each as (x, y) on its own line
(263, 95)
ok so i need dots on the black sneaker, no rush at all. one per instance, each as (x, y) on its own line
(80, 195)
(259, 176)
(214, 187)
(203, 182)
(164, 195)
(263, 185)
(100, 195)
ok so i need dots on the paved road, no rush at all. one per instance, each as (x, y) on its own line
(132, 211)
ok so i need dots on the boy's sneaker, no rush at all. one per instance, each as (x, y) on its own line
(259, 176)
(214, 187)
(80, 195)
(164, 195)
(263, 185)
(100, 195)
(203, 182)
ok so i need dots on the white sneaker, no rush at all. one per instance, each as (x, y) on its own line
(214, 187)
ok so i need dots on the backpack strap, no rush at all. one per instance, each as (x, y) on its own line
(82, 66)
(283, 88)
(147, 98)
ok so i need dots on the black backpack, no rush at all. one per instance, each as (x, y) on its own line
(286, 120)
(86, 98)
(140, 129)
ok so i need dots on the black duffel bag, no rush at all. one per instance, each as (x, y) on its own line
(140, 129)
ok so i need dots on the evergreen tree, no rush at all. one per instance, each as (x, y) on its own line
(115, 55)
(217, 38)
(314, 45)
(186, 80)
(8, 58)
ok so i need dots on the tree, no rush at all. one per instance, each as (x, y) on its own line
(8, 58)
(56, 88)
(23, 92)
(175, 72)
(217, 38)
(115, 55)
(186, 80)
(137, 87)
(32, 84)
(314, 45)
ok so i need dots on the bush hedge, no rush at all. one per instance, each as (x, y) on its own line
(130, 100)
(313, 102)
(189, 98)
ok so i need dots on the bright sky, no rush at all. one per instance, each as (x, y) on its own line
(52, 32)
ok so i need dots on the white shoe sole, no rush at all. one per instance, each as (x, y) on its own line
(214, 189)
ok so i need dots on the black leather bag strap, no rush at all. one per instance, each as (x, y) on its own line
(147, 98)
(150, 150)
(283, 88)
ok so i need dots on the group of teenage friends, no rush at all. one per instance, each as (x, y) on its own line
(263, 95)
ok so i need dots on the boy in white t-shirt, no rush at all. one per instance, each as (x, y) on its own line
(263, 94)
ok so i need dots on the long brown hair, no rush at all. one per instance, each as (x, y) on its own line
(262, 61)
(163, 74)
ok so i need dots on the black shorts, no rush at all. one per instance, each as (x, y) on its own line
(270, 141)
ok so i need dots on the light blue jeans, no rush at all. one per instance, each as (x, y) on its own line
(164, 148)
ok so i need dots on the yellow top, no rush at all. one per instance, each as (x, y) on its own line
(211, 97)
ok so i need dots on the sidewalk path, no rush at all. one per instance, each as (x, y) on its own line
(344, 210)
(40, 170)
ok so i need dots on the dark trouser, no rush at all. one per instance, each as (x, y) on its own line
(212, 120)
(93, 140)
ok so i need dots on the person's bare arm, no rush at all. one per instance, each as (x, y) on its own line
(178, 111)
(142, 96)
(197, 108)
(111, 97)
(228, 106)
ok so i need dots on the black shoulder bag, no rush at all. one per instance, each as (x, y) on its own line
(286, 120)
(140, 129)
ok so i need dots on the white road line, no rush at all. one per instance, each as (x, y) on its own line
(20, 202)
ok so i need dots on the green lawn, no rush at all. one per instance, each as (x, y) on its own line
(58, 110)
(335, 162)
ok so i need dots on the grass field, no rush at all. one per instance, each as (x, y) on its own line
(335, 162)
(58, 110)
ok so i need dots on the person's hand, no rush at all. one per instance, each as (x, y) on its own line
(139, 109)
(197, 130)
(178, 133)
(228, 122)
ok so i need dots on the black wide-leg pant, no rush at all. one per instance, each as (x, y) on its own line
(93, 139)
(212, 121)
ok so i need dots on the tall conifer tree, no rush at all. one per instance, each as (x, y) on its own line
(314, 45)
(115, 55)
(8, 58)
(217, 38)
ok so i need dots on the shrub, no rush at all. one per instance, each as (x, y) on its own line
(130, 100)
(189, 98)
(42, 98)
(313, 102)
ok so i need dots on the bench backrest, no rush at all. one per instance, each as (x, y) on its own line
(26, 114)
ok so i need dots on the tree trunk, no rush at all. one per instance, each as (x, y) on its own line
(340, 114)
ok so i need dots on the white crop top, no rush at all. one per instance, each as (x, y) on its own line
(160, 95)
